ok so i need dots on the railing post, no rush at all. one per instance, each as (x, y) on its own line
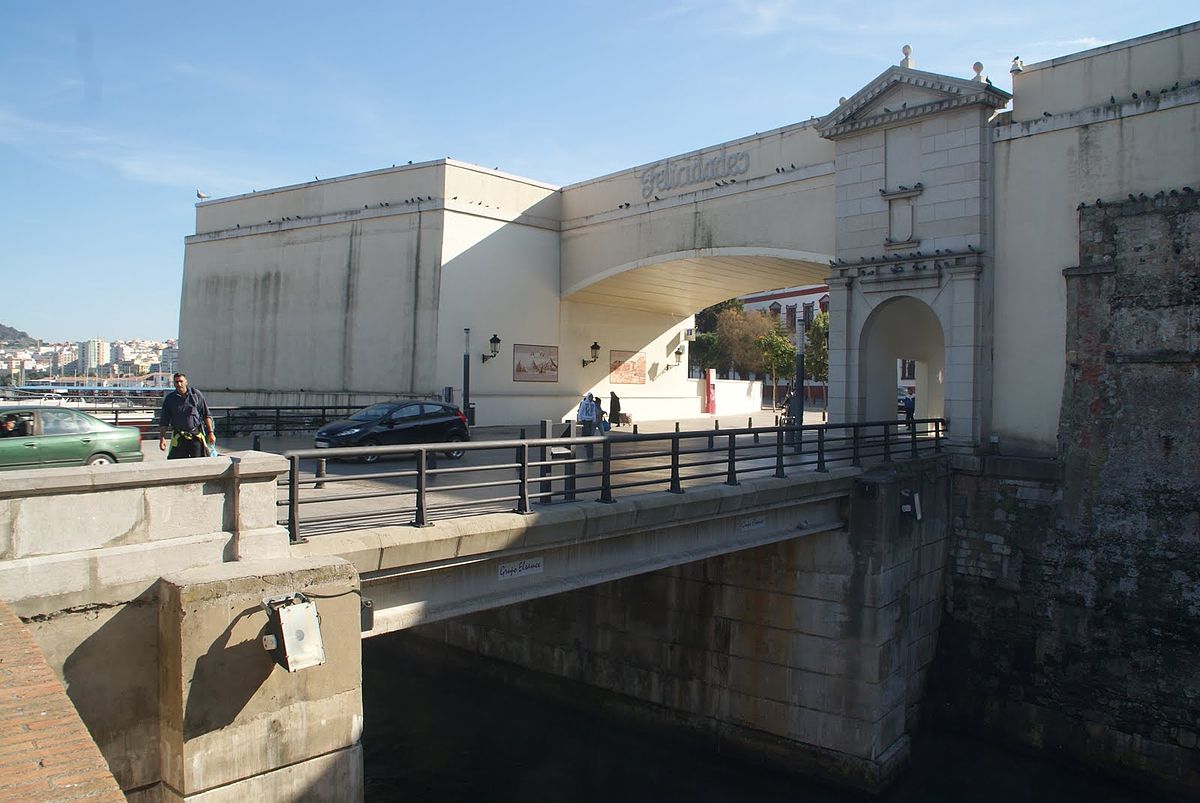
(523, 478)
(716, 428)
(606, 471)
(569, 479)
(419, 518)
(294, 499)
(887, 443)
(779, 450)
(546, 487)
(855, 434)
(320, 472)
(912, 434)
(750, 425)
(676, 487)
(937, 435)
(821, 449)
(731, 472)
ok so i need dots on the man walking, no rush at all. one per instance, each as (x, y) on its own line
(186, 413)
(586, 415)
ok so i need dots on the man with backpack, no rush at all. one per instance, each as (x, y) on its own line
(185, 412)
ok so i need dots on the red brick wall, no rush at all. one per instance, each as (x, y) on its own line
(46, 752)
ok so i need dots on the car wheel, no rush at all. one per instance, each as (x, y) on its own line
(370, 458)
(455, 454)
(100, 460)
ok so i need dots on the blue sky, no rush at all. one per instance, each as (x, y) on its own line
(113, 114)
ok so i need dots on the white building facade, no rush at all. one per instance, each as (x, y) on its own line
(940, 221)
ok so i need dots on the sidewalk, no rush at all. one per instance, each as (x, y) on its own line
(270, 443)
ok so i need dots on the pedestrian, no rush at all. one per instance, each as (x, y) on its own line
(614, 409)
(587, 415)
(185, 412)
(910, 407)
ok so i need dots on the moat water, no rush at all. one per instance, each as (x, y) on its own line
(435, 733)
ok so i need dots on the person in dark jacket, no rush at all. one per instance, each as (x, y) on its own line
(185, 412)
(614, 410)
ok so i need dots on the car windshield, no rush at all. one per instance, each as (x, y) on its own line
(372, 413)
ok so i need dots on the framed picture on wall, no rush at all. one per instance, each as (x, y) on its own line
(627, 367)
(535, 363)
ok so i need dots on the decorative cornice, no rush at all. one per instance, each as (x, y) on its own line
(959, 92)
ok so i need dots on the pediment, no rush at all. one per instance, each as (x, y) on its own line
(900, 93)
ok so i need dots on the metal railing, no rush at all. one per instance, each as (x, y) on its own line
(544, 471)
(230, 421)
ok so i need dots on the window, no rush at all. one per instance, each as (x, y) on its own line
(59, 422)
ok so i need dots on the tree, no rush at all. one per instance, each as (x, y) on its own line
(738, 332)
(706, 352)
(706, 319)
(779, 355)
(816, 349)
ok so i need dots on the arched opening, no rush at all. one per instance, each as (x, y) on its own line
(901, 330)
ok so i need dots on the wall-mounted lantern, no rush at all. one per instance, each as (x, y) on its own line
(595, 354)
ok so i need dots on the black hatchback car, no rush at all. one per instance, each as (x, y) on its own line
(396, 423)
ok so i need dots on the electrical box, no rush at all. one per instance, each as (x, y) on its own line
(293, 632)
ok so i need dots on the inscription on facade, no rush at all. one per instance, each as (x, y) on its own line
(532, 565)
(671, 174)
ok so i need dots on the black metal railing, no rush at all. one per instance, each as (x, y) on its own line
(543, 471)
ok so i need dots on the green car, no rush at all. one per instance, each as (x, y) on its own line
(58, 436)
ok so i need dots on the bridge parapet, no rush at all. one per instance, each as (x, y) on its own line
(79, 537)
(419, 575)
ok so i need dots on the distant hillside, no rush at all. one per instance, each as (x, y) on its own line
(15, 336)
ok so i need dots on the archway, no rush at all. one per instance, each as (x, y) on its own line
(902, 328)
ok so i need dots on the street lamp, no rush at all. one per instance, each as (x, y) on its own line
(494, 342)
(595, 354)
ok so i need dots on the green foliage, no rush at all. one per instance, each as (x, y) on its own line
(706, 352)
(816, 349)
(706, 319)
(778, 354)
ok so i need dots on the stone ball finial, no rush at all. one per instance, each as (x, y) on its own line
(907, 60)
(906, 50)
(841, 100)
(978, 68)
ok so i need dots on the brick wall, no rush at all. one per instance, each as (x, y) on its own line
(46, 753)
(1074, 601)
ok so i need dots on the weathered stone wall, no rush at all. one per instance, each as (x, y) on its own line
(811, 651)
(1074, 603)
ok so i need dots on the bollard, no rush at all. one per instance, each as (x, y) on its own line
(635, 430)
(257, 445)
(750, 425)
(320, 472)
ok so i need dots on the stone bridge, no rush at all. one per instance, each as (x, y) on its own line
(817, 582)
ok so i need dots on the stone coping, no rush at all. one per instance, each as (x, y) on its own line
(54, 481)
(402, 546)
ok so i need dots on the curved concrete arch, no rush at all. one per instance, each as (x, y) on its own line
(902, 327)
(683, 282)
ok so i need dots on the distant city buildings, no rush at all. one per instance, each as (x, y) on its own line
(95, 361)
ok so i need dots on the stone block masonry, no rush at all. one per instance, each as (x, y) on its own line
(810, 654)
(1073, 618)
